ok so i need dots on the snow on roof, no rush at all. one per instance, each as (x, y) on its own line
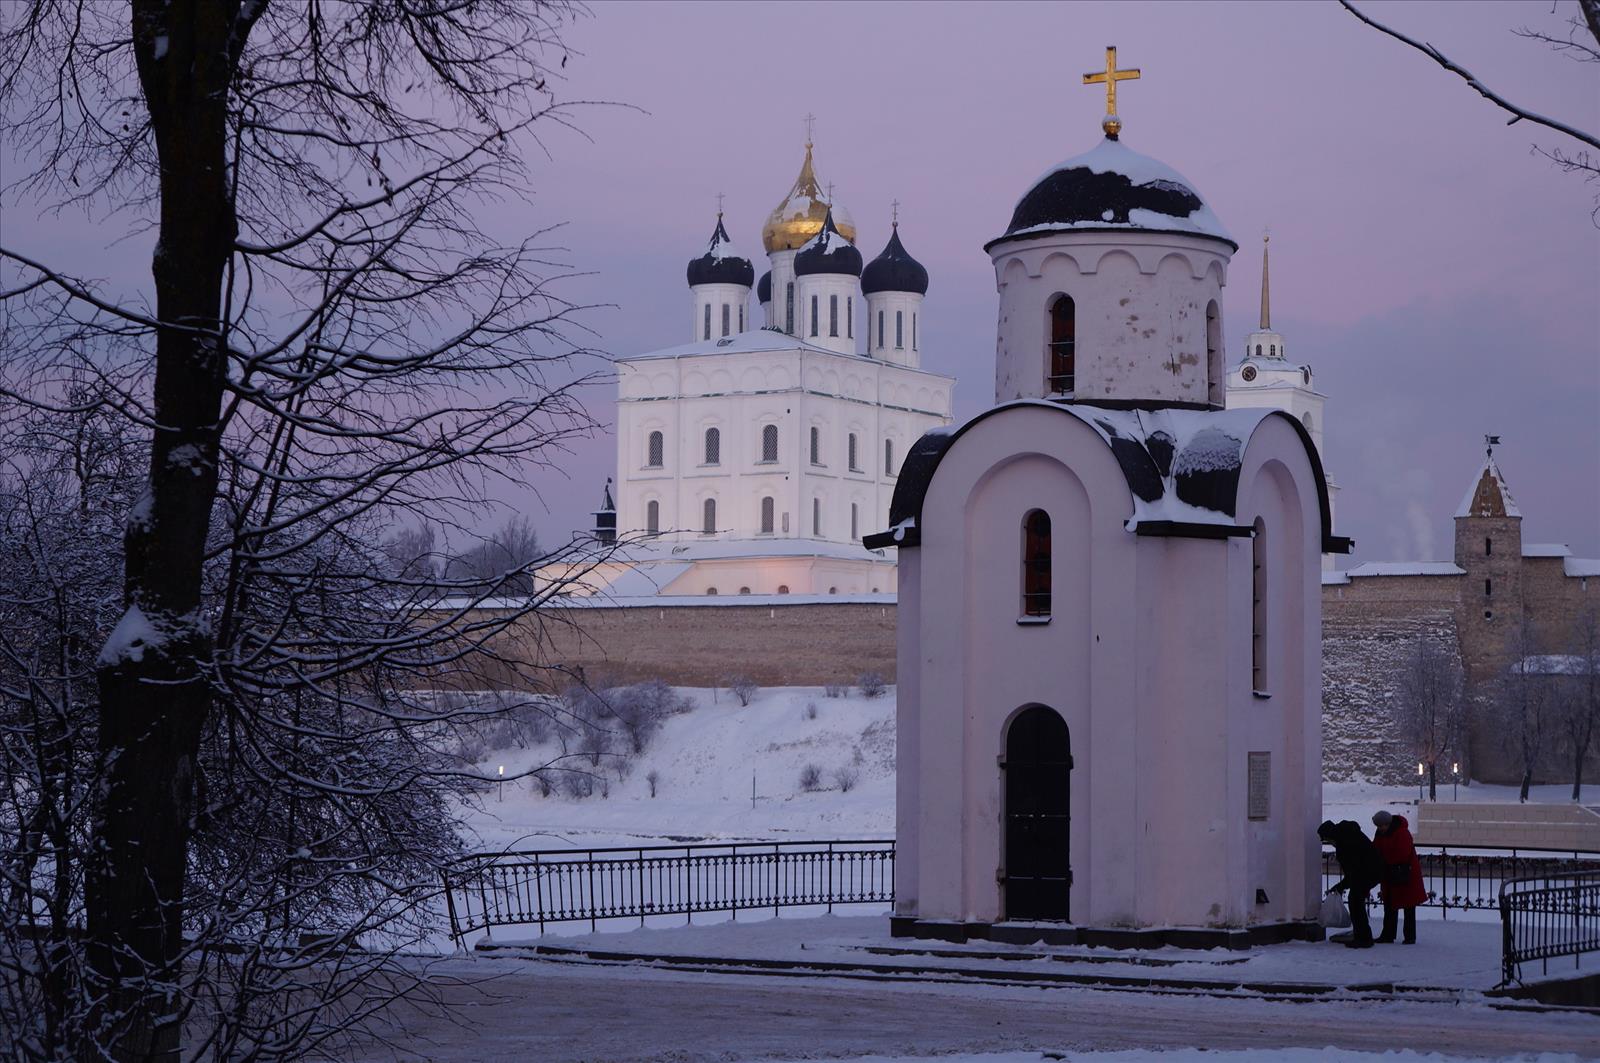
(1552, 664)
(656, 551)
(743, 343)
(696, 601)
(1331, 579)
(1407, 568)
(1487, 495)
(1580, 566)
(1546, 550)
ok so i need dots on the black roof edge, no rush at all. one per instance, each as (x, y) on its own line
(1189, 529)
(1338, 544)
(903, 537)
(1042, 233)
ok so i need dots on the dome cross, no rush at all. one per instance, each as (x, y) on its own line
(1109, 78)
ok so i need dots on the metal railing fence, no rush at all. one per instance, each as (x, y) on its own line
(1472, 880)
(1545, 917)
(588, 885)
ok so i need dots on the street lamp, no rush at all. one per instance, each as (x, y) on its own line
(1419, 782)
(1455, 779)
(502, 782)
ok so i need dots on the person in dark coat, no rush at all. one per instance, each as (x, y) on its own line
(1362, 869)
(1402, 889)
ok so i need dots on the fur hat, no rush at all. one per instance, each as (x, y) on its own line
(1380, 819)
(1326, 830)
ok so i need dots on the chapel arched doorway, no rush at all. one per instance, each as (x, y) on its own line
(1037, 879)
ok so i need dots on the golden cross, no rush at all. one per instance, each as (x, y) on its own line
(1109, 78)
(810, 120)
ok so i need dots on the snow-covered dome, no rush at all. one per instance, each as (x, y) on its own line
(722, 263)
(1113, 187)
(894, 270)
(798, 218)
(828, 252)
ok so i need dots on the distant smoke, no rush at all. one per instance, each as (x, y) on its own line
(1420, 529)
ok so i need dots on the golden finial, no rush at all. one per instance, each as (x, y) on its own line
(810, 120)
(720, 196)
(1109, 78)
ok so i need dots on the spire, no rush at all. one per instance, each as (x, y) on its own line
(605, 518)
(1266, 301)
(1487, 495)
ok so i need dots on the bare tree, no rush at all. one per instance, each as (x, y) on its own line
(1579, 39)
(1577, 701)
(331, 344)
(506, 558)
(1521, 701)
(1428, 704)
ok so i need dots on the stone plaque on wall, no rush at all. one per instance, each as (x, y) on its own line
(1260, 785)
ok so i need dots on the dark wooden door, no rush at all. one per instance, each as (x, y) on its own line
(1038, 864)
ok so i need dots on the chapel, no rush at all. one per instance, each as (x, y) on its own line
(1109, 614)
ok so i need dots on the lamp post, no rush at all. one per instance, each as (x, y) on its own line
(502, 782)
(1419, 782)
(1455, 780)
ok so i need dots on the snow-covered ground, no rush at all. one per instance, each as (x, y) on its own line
(707, 760)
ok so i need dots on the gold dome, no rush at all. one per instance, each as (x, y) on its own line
(799, 217)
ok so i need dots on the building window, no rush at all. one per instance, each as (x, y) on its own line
(767, 507)
(913, 330)
(855, 518)
(899, 329)
(783, 588)
(850, 317)
(652, 517)
(707, 334)
(655, 450)
(816, 446)
(888, 457)
(816, 517)
(713, 446)
(1216, 386)
(1272, 351)
(711, 591)
(1258, 350)
(880, 330)
(833, 315)
(1063, 358)
(1488, 546)
(744, 590)
(788, 308)
(1488, 589)
(1258, 607)
(769, 443)
(741, 317)
(814, 321)
(855, 465)
(710, 523)
(727, 314)
(1036, 563)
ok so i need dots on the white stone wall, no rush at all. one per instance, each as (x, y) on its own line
(712, 298)
(883, 306)
(782, 276)
(822, 330)
(1141, 299)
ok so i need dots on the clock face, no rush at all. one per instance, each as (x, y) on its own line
(1248, 372)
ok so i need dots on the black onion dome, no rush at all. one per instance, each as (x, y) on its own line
(722, 263)
(894, 270)
(1113, 187)
(828, 252)
(764, 288)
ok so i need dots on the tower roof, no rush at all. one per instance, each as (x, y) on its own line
(828, 252)
(722, 263)
(894, 270)
(1488, 495)
(798, 218)
(764, 288)
(1112, 188)
(1266, 299)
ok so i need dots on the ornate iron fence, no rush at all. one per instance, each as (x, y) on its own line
(573, 885)
(1544, 917)
(1472, 880)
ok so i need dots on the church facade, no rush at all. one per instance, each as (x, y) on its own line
(1109, 613)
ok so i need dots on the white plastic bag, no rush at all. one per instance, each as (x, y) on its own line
(1334, 914)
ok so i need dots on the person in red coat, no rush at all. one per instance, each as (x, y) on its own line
(1402, 887)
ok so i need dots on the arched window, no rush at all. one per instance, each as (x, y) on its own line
(727, 315)
(855, 461)
(713, 446)
(913, 330)
(710, 523)
(1258, 350)
(880, 330)
(788, 308)
(833, 315)
(741, 317)
(816, 446)
(814, 321)
(766, 515)
(1272, 351)
(652, 517)
(707, 335)
(744, 590)
(1488, 546)
(655, 450)
(1216, 384)
(769, 443)
(816, 516)
(1036, 563)
(1063, 360)
(712, 591)
(850, 316)
(855, 516)
(783, 588)
(1258, 607)
(888, 457)
(899, 329)
(833, 590)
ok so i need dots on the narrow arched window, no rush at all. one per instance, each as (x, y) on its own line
(713, 446)
(741, 317)
(1036, 563)
(850, 317)
(769, 443)
(783, 588)
(652, 517)
(709, 526)
(814, 321)
(655, 450)
(913, 330)
(1216, 385)
(727, 315)
(855, 521)
(1272, 351)
(767, 507)
(833, 315)
(855, 465)
(788, 308)
(816, 516)
(888, 457)
(1258, 350)
(1258, 607)
(1488, 546)
(744, 590)
(712, 591)
(1063, 359)
(880, 330)
(899, 329)
(816, 446)
(707, 334)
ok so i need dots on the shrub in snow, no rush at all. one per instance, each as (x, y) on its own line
(811, 710)
(871, 685)
(593, 743)
(744, 688)
(579, 784)
(846, 778)
(639, 710)
(811, 778)
(544, 783)
(652, 777)
(835, 690)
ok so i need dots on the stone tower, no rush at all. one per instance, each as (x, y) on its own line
(1489, 551)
